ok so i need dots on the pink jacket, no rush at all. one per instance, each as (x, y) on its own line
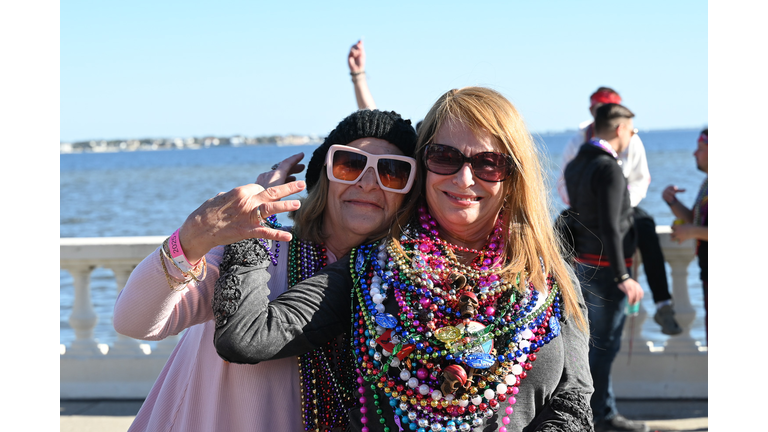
(197, 390)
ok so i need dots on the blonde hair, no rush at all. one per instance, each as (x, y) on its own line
(532, 241)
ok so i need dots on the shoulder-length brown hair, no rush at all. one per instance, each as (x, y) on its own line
(532, 242)
(308, 219)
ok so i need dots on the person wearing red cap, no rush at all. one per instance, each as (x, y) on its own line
(634, 164)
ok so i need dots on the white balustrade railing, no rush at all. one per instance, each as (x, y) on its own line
(127, 369)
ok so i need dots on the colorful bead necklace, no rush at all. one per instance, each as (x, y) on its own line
(326, 374)
(462, 338)
(271, 221)
(603, 144)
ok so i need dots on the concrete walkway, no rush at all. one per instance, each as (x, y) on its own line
(116, 416)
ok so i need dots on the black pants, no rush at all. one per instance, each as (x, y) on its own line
(653, 257)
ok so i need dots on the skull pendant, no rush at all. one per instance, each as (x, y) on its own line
(468, 304)
(452, 379)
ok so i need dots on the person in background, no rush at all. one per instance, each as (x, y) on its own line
(695, 220)
(172, 289)
(605, 241)
(356, 61)
(634, 164)
(465, 316)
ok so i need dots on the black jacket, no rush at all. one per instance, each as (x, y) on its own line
(600, 205)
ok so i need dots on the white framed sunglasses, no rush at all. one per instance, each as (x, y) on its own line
(345, 164)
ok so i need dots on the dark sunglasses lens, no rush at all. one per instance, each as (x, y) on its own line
(443, 160)
(491, 166)
(347, 166)
(393, 173)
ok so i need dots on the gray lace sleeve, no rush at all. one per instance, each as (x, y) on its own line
(227, 293)
(251, 329)
(572, 412)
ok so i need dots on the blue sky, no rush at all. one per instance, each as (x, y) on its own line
(172, 68)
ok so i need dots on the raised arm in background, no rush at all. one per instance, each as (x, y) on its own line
(688, 230)
(356, 60)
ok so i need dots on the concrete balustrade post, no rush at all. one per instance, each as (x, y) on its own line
(124, 345)
(83, 318)
(679, 257)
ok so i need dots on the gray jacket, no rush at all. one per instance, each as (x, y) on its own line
(250, 329)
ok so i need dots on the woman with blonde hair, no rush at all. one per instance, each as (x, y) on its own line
(465, 317)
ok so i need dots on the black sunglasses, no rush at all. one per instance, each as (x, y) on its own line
(446, 160)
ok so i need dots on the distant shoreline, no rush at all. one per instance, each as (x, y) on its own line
(151, 144)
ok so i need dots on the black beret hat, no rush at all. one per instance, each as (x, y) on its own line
(386, 125)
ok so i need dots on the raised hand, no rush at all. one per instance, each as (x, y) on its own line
(356, 57)
(234, 216)
(668, 195)
(282, 172)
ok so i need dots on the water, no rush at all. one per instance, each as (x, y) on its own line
(150, 193)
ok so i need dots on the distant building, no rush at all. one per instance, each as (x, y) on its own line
(183, 143)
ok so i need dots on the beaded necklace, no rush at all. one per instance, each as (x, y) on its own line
(462, 338)
(326, 374)
(603, 144)
(272, 222)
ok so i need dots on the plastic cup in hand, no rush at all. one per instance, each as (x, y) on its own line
(632, 309)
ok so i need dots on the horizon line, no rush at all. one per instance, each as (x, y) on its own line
(545, 132)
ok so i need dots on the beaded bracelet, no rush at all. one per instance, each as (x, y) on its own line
(354, 74)
(180, 285)
(195, 273)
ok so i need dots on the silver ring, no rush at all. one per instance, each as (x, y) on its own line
(262, 222)
(274, 167)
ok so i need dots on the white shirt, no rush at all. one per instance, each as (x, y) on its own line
(634, 164)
